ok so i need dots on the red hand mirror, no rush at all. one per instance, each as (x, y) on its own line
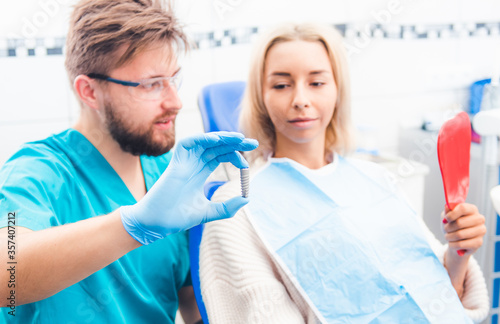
(454, 156)
(453, 147)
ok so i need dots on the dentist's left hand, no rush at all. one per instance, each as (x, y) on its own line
(177, 202)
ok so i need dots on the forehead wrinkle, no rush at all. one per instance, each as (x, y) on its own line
(167, 65)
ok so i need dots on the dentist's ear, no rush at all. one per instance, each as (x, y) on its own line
(85, 89)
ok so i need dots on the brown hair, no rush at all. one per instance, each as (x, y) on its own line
(254, 118)
(99, 28)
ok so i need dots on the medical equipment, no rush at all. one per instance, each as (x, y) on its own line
(245, 182)
(487, 124)
(177, 202)
(495, 198)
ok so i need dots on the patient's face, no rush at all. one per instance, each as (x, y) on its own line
(300, 93)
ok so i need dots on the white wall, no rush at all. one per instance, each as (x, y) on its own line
(395, 81)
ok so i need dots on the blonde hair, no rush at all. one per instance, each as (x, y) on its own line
(254, 118)
(99, 28)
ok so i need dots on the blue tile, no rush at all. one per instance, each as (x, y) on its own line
(54, 51)
(497, 257)
(494, 319)
(341, 28)
(496, 292)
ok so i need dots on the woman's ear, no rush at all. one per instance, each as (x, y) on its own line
(85, 89)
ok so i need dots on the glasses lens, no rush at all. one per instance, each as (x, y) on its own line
(176, 81)
(148, 89)
(155, 89)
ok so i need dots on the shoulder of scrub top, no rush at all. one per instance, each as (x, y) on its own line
(35, 160)
(29, 181)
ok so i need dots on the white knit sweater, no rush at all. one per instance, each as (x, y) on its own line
(242, 283)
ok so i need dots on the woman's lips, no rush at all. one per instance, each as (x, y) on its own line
(302, 122)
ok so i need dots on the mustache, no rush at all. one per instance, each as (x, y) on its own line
(171, 115)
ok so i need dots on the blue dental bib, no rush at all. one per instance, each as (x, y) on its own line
(354, 249)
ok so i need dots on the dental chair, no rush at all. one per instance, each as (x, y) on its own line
(219, 107)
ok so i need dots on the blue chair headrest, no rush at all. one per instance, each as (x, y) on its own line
(219, 105)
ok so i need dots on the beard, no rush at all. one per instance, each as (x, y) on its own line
(137, 142)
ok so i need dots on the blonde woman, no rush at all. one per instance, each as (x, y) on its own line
(326, 238)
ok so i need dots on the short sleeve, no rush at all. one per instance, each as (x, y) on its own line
(189, 281)
(30, 184)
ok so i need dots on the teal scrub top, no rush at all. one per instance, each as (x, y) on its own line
(64, 179)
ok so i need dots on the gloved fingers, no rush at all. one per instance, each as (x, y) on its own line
(235, 158)
(221, 142)
(214, 152)
(208, 140)
(226, 209)
(248, 144)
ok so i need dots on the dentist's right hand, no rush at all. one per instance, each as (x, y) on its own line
(177, 202)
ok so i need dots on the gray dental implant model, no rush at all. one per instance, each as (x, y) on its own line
(245, 182)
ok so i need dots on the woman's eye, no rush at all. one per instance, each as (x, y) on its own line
(317, 84)
(279, 86)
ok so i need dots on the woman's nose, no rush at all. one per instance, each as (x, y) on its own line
(300, 98)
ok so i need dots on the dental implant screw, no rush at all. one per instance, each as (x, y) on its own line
(245, 182)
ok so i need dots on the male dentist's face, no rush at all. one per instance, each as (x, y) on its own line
(143, 125)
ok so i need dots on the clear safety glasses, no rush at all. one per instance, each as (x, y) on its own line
(147, 89)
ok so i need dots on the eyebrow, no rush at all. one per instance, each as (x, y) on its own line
(162, 76)
(286, 74)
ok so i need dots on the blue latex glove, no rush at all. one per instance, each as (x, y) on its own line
(176, 202)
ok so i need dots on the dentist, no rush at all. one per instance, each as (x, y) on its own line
(96, 214)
